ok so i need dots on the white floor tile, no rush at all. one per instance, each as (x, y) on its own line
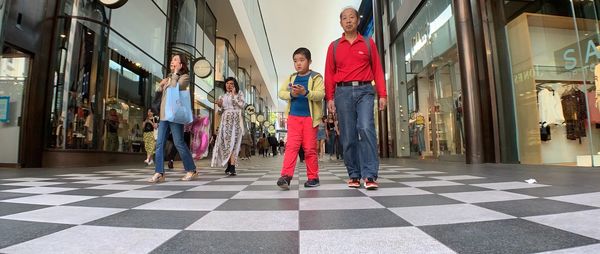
(64, 214)
(447, 214)
(371, 240)
(247, 221)
(181, 204)
(338, 203)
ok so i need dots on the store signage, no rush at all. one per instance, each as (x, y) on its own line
(570, 57)
(4, 108)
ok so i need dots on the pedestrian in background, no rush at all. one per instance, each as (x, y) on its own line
(231, 128)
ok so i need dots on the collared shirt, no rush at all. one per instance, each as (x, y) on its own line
(352, 64)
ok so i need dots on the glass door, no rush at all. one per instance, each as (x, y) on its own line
(14, 72)
(447, 111)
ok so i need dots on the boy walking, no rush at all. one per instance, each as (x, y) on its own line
(304, 92)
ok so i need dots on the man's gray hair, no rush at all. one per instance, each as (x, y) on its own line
(350, 8)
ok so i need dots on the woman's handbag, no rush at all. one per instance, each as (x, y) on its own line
(178, 106)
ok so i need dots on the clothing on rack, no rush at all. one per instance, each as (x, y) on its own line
(550, 108)
(575, 113)
(545, 131)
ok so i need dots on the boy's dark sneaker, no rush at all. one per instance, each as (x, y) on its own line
(354, 183)
(371, 184)
(284, 182)
(312, 183)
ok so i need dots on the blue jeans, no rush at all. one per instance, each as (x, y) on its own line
(354, 106)
(331, 143)
(184, 151)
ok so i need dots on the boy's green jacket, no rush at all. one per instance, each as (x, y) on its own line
(316, 93)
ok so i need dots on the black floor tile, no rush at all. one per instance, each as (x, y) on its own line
(163, 187)
(230, 183)
(414, 200)
(11, 187)
(348, 219)
(113, 202)
(556, 191)
(89, 192)
(259, 205)
(504, 236)
(151, 219)
(534, 207)
(76, 185)
(12, 208)
(451, 189)
(11, 195)
(231, 242)
(205, 194)
(270, 187)
(316, 193)
(14, 232)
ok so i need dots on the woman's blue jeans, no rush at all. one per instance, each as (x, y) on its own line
(184, 151)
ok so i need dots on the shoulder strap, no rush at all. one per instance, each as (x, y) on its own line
(368, 44)
(335, 44)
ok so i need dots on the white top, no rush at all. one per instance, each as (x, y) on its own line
(232, 103)
(550, 107)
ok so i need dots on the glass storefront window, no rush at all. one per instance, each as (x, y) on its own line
(226, 60)
(104, 82)
(430, 73)
(554, 56)
(14, 77)
(394, 7)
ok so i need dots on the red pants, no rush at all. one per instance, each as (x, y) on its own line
(301, 132)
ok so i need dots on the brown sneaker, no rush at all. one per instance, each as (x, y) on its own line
(354, 183)
(157, 178)
(190, 175)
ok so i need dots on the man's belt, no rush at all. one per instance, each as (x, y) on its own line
(354, 83)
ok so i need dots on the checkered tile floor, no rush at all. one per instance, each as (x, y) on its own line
(416, 210)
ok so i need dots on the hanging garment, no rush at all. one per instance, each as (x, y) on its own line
(545, 132)
(550, 108)
(575, 113)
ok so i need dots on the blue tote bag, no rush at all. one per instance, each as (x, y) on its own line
(178, 106)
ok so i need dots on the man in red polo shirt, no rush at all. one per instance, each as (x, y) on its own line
(350, 69)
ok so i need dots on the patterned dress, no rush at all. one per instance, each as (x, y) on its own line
(231, 130)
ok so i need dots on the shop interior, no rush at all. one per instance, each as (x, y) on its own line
(435, 103)
(554, 59)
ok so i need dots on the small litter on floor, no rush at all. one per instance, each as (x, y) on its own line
(531, 181)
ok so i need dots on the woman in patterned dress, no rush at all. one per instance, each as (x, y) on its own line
(231, 131)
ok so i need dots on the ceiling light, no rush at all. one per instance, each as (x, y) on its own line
(63, 36)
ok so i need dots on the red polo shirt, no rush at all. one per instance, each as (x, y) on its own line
(352, 64)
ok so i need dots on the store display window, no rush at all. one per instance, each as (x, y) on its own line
(554, 58)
